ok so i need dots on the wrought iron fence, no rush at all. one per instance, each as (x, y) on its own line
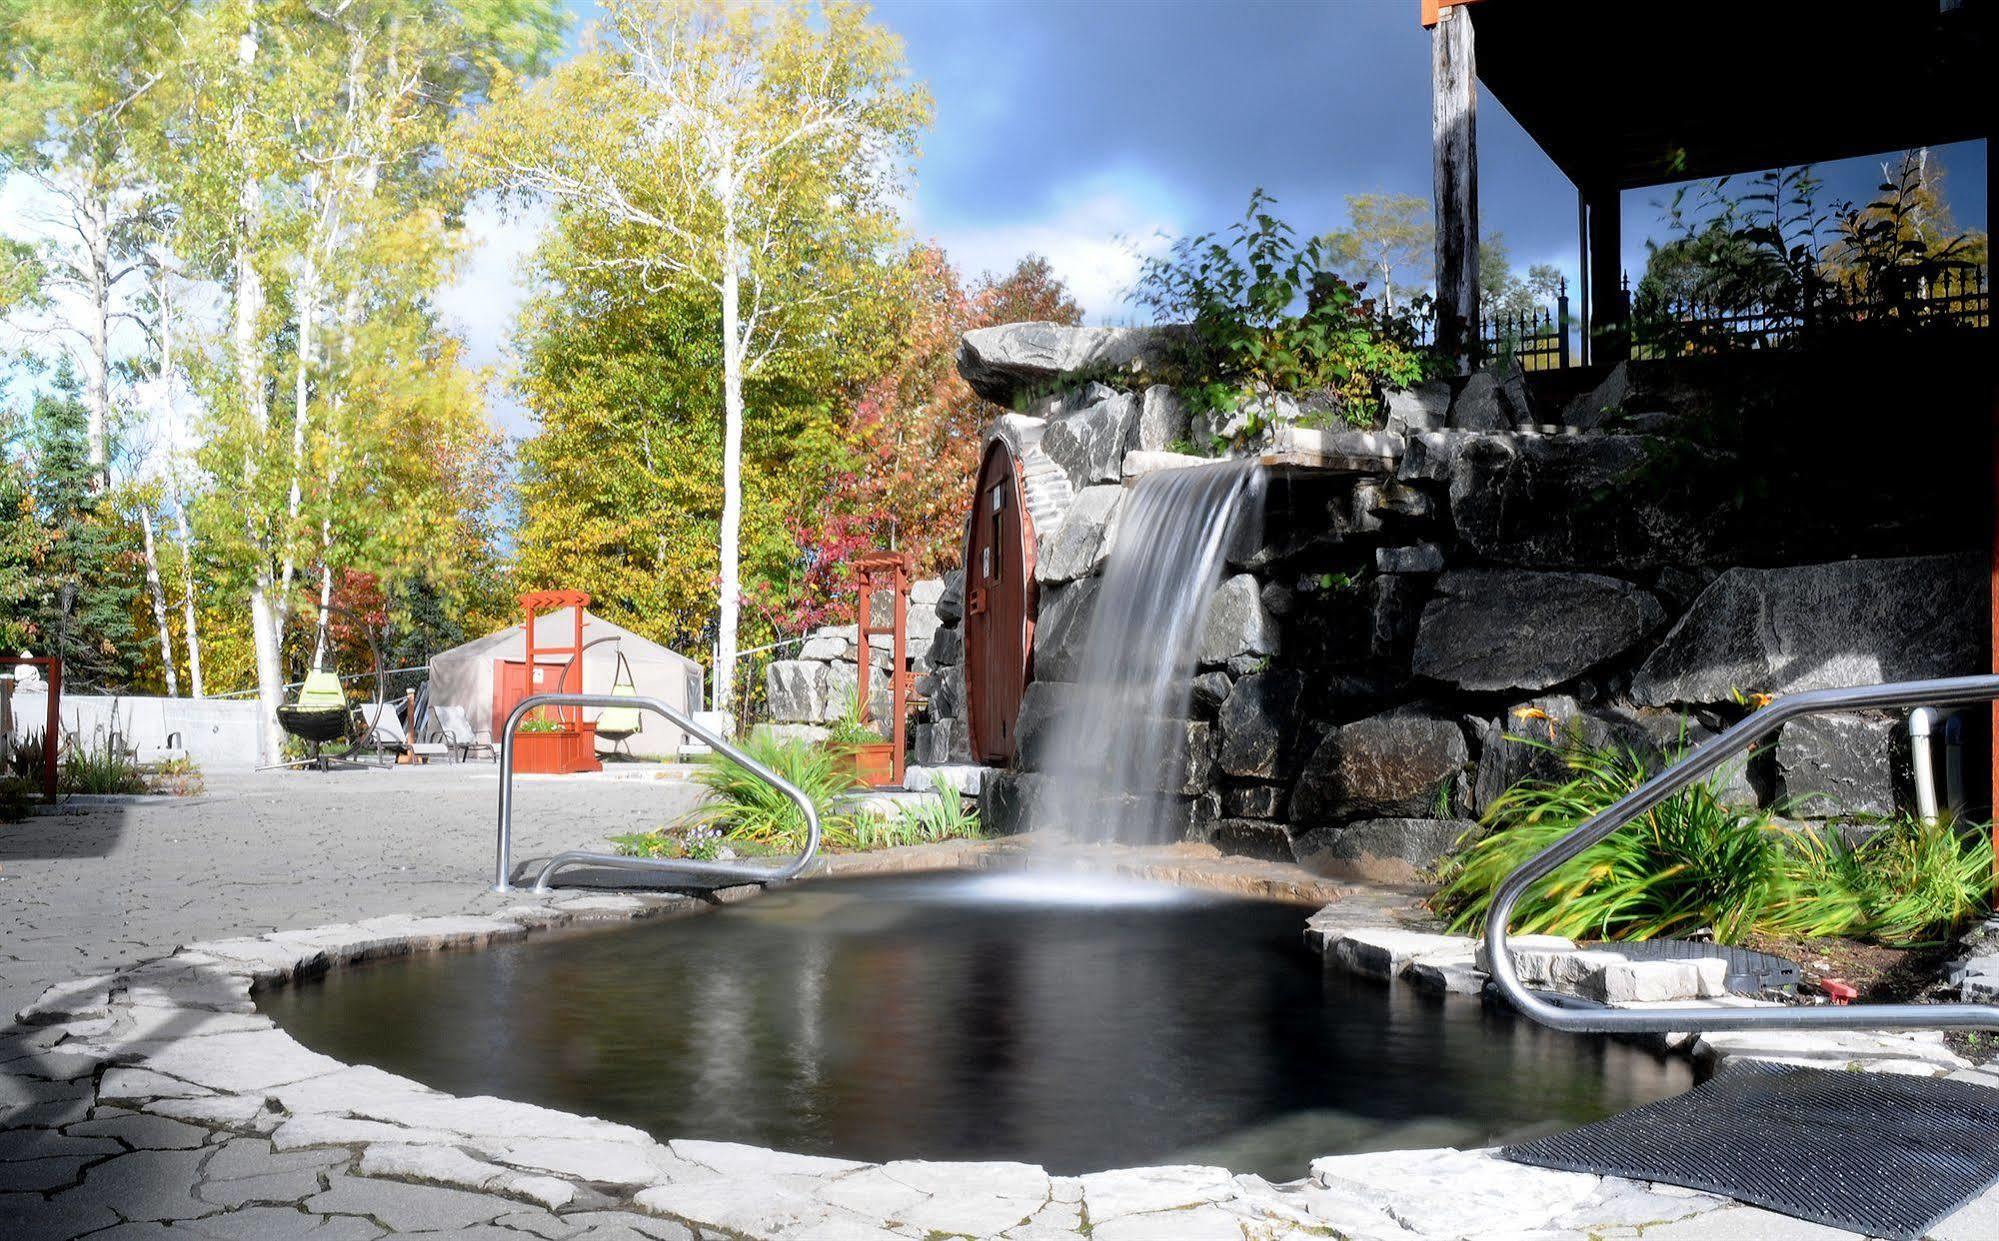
(1547, 338)
(1950, 300)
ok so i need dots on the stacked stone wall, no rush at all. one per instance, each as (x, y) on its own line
(1493, 570)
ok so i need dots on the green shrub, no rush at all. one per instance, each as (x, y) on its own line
(1269, 315)
(750, 810)
(97, 768)
(1696, 863)
(1689, 863)
(16, 797)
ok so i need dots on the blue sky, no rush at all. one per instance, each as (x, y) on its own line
(1065, 127)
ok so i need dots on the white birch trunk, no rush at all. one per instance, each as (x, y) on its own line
(308, 299)
(193, 632)
(159, 595)
(732, 464)
(95, 216)
(265, 630)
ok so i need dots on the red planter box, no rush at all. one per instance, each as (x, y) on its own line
(558, 753)
(874, 764)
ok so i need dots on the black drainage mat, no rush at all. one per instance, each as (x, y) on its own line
(1875, 1153)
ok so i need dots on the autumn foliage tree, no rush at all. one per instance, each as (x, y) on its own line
(912, 436)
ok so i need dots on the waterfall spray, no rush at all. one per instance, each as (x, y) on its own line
(1117, 757)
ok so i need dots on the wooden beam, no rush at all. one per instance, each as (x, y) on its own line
(1610, 339)
(1454, 154)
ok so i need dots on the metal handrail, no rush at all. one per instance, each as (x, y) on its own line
(503, 863)
(1701, 761)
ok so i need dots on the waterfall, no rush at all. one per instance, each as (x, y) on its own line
(1118, 746)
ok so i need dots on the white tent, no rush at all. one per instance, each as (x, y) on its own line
(465, 675)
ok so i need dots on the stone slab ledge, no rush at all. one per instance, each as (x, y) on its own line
(1457, 964)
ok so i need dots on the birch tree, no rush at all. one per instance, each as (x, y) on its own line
(754, 153)
(79, 77)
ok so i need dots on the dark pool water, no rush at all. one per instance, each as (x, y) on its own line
(953, 1017)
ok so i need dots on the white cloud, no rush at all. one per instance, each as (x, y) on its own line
(1095, 234)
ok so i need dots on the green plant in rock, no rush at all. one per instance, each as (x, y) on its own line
(850, 731)
(1909, 884)
(1696, 863)
(1691, 863)
(748, 809)
(921, 823)
(1270, 315)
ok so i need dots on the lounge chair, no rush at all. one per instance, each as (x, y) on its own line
(455, 730)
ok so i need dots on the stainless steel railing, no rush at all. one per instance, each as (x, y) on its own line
(745, 872)
(1700, 762)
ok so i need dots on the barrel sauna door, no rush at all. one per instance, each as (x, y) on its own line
(999, 629)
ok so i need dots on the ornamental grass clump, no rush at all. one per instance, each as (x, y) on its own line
(1689, 863)
(1697, 864)
(748, 809)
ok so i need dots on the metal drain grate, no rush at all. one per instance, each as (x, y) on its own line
(1875, 1153)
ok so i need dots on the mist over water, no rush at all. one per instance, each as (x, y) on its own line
(1119, 742)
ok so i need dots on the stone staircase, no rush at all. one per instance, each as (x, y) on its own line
(1045, 491)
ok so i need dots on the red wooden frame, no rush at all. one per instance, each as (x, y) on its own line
(52, 729)
(871, 573)
(574, 747)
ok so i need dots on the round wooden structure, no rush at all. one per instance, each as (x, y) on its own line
(999, 606)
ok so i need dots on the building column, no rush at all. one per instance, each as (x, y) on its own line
(1609, 327)
(1454, 151)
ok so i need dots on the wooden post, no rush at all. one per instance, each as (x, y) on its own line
(1992, 500)
(1609, 333)
(1454, 152)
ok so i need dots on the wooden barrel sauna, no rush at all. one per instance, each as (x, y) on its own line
(999, 606)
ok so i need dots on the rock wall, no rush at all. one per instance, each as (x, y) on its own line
(1499, 565)
(815, 687)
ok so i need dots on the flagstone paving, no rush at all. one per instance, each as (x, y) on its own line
(143, 1096)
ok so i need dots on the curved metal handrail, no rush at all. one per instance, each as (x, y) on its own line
(503, 861)
(1701, 761)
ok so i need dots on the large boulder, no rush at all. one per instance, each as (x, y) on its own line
(1080, 544)
(1490, 630)
(1162, 420)
(1259, 720)
(807, 691)
(1395, 765)
(1089, 444)
(1493, 400)
(1598, 502)
(1237, 623)
(1379, 850)
(1061, 629)
(1854, 622)
(1041, 706)
(951, 604)
(1412, 411)
(1833, 766)
(947, 647)
(1021, 360)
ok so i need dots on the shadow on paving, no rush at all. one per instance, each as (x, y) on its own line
(67, 831)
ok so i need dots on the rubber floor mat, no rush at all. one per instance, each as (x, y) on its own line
(1874, 1153)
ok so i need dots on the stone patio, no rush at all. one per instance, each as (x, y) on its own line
(143, 1096)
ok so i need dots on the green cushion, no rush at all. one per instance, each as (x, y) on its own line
(322, 689)
(620, 721)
